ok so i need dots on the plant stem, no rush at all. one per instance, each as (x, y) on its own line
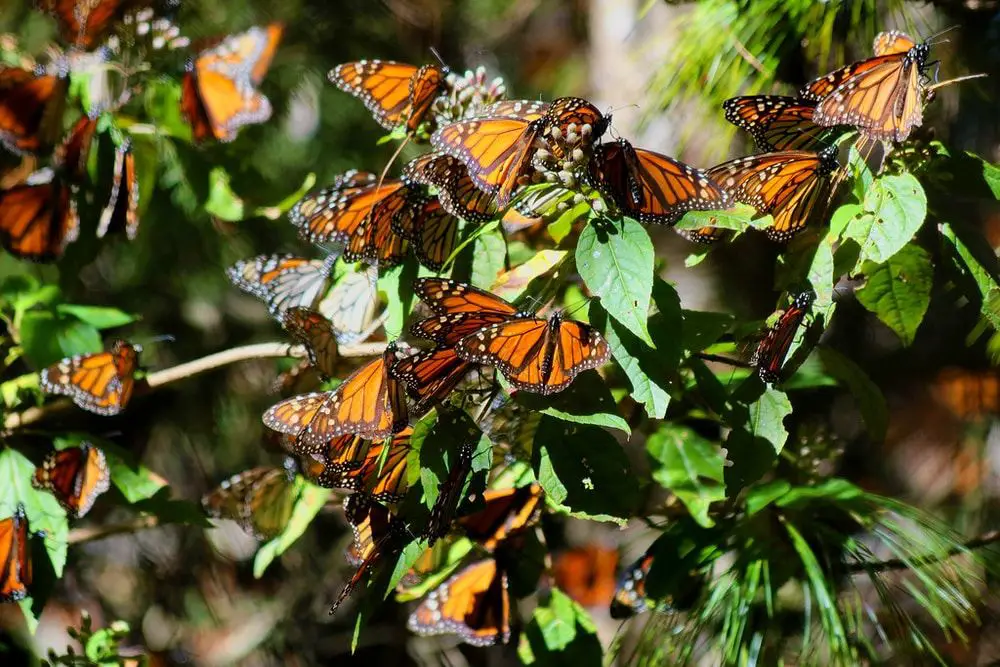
(983, 540)
(191, 368)
(92, 533)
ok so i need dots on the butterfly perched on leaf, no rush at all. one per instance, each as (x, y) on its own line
(770, 354)
(369, 403)
(498, 150)
(122, 211)
(652, 187)
(630, 592)
(794, 187)
(31, 108)
(15, 557)
(260, 500)
(101, 383)
(76, 476)
(776, 123)
(283, 281)
(431, 376)
(219, 91)
(38, 218)
(473, 603)
(395, 93)
(882, 96)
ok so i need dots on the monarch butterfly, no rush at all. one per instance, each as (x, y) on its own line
(380, 475)
(369, 403)
(652, 187)
(71, 154)
(101, 383)
(498, 151)
(219, 91)
(324, 465)
(792, 186)
(282, 281)
(76, 476)
(31, 107)
(122, 211)
(395, 93)
(38, 218)
(505, 512)
(358, 212)
(630, 593)
(473, 604)
(541, 356)
(450, 494)
(587, 574)
(377, 534)
(431, 230)
(881, 96)
(770, 354)
(526, 109)
(84, 23)
(316, 333)
(260, 500)
(351, 305)
(457, 193)
(461, 310)
(776, 123)
(15, 557)
(430, 376)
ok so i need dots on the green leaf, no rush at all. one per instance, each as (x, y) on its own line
(990, 172)
(587, 401)
(47, 338)
(16, 287)
(222, 202)
(737, 218)
(561, 632)
(866, 394)
(163, 106)
(584, 470)
(762, 495)
(96, 316)
(703, 328)
(821, 271)
(689, 466)
(893, 210)
(397, 285)
(767, 417)
(560, 228)
(136, 482)
(843, 217)
(437, 451)
(975, 260)
(617, 266)
(899, 290)
(830, 490)
(43, 511)
(488, 256)
(310, 501)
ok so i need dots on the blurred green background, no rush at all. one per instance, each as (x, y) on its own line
(662, 68)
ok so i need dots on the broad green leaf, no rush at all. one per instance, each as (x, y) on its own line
(584, 470)
(310, 501)
(511, 284)
(616, 263)
(760, 496)
(452, 556)
(561, 226)
(638, 361)
(586, 401)
(689, 466)
(488, 255)
(893, 210)
(767, 417)
(976, 261)
(821, 271)
(843, 217)
(397, 285)
(18, 287)
(438, 449)
(97, 316)
(136, 482)
(991, 174)
(222, 202)
(561, 632)
(47, 338)
(703, 328)
(737, 218)
(43, 511)
(867, 395)
(899, 290)
(163, 106)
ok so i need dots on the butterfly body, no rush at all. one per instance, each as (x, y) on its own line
(76, 476)
(101, 383)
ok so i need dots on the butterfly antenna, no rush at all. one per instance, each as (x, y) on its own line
(956, 80)
(385, 170)
(437, 55)
(933, 39)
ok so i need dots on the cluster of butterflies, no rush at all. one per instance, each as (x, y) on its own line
(38, 213)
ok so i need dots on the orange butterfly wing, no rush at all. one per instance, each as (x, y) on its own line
(432, 375)
(505, 512)
(218, 95)
(37, 222)
(72, 154)
(30, 108)
(450, 297)
(101, 383)
(395, 93)
(892, 41)
(76, 476)
(84, 23)
(776, 123)
(473, 604)
(282, 281)
(457, 193)
(317, 334)
(15, 557)
(770, 354)
(432, 231)
(496, 151)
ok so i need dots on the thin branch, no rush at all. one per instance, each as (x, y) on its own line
(983, 540)
(192, 368)
(92, 533)
(708, 356)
